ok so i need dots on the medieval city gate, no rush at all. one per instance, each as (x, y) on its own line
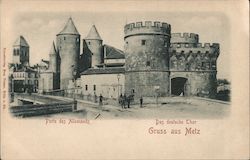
(179, 86)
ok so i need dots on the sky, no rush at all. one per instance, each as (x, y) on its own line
(40, 29)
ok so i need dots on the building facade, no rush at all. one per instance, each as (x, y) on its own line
(22, 77)
(155, 62)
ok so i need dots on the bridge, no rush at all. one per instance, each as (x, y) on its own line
(35, 105)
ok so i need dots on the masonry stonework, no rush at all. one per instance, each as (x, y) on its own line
(146, 58)
(68, 46)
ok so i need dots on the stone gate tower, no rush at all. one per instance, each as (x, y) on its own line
(68, 46)
(193, 66)
(147, 58)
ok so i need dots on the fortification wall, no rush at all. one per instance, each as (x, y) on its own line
(191, 38)
(147, 27)
(201, 57)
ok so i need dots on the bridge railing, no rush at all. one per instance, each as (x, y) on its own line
(41, 109)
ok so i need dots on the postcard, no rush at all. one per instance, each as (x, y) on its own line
(124, 79)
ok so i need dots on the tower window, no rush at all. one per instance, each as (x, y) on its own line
(86, 87)
(147, 63)
(94, 87)
(64, 38)
(143, 42)
(165, 43)
(89, 43)
(17, 52)
(77, 39)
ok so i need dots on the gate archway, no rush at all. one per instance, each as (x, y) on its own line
(178, 86)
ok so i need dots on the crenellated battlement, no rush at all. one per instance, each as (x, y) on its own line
(213, 48)
(184, 38)
(147, 27)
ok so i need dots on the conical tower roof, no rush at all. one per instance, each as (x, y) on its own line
(93, 34)
(53, 49)
(21, 42)
(69, 28)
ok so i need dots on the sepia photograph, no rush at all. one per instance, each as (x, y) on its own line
(136, 79)
(139, 65)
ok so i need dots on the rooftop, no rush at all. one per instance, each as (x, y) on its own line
(93, 34)
(111, 70)
(69, 28)
(113, 53)
(21, 42)
(53, 49)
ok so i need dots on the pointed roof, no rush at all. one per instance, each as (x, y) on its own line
(69, 28)
(53, 49)
(93, 34)
(21, 42)
(113, 53)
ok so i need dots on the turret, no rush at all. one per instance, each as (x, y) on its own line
(147, 58)
(68, 46)
(53, 56)
(94, 44)
(21, 51)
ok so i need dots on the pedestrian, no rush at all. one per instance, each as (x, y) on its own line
(95, 98)
(100, 99)
(141, 101)
(120, 99)
(128, 101)
(124, 100)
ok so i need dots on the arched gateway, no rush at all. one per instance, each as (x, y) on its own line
(179, 86)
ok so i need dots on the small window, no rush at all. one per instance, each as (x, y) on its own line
(143, 42)
(133, 90)
(77, 39)
(147, 63)
(186, 45)
(86, 87)
(64, 38)
(17, 52)
(94, 87)
(165, 43)
(126, 42)
(89, 43)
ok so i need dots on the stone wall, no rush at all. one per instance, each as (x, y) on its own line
(147, 58)
(198, 83)
(68, 47)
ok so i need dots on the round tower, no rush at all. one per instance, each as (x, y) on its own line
(94, 43)
(147, 58)
(68, 46)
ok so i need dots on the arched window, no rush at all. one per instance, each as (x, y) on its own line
(17, 52)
